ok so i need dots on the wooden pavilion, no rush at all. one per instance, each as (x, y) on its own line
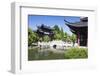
(80, 29)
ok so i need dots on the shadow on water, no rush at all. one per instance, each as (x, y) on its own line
(44, 54)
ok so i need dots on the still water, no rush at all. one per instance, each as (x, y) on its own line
(45, 54)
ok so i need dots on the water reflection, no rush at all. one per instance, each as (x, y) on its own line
(45, 54)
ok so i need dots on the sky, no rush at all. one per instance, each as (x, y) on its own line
(36, 20)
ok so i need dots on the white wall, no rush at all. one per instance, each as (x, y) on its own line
(5, 24)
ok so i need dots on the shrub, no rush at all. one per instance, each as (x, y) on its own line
(75, 53)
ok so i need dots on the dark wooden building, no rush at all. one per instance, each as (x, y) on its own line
(80, 29)
(45, 30)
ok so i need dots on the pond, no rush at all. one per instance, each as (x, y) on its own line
(45, 54)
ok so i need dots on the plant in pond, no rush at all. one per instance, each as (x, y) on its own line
(74, 53)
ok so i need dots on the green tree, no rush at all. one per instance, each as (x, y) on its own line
(73, 38)
(62, 33)
(56, 29)
(32, 37)
(58, 32)
(46, 38)
(65, 37)
(68, 38)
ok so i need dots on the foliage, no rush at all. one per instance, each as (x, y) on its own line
(74, 53)
(59, 33)
(62, 33)
(73, 38)
(65, 37)
(56, 29)
(68, 38)
(46, 38)
(32, 36)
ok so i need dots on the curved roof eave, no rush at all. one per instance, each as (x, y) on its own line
(76, 24)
